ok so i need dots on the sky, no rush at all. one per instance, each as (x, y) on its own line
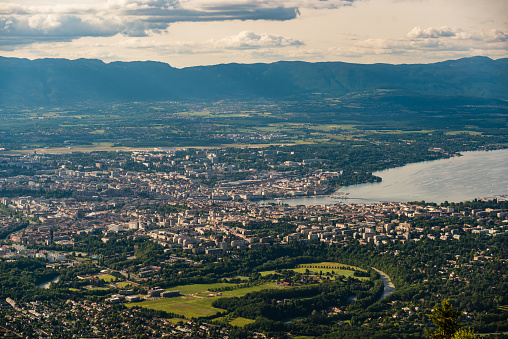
(203, 32)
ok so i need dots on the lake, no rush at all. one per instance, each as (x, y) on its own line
(477, 174)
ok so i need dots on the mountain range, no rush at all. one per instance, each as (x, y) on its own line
(26, 82)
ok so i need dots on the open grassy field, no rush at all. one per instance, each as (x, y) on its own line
(463, 132)
(197, 301)
(328, 128)
(108, 278)
(102, 146)
(108, 147)
(324, 267)
(243, 291)
(189, 307)
(123, 285)
(99, 288)
(196, 288)
(241, 322)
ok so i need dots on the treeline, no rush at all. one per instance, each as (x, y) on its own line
(19, 279)
(5, 232)
(473, 204)
(48, 194)
(279, 304)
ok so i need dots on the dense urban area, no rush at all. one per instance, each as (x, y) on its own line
(183, 243)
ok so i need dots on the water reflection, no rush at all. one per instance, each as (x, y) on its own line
(473, 175)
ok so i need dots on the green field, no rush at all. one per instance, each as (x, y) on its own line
(197, 301)
(196, 288)
(177, 320)
(238, 321)
(96, 146)
(108, 278)
(324, 267)
(241, 322)
(242, 277)
(123, 284)
(346, 273)
(189, 307)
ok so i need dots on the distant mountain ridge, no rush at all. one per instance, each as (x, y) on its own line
(26, 82)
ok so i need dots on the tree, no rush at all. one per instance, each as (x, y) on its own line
(465, 334)
(445, 318)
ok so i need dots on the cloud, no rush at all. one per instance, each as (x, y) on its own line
(431, 41)
(493, 35)
(250, 40)
(21, 24)
(431, 32)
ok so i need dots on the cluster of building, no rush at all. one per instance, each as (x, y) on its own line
(165, 173)
(211, 228)
(14, 251)
(84, 318)
(177, 210)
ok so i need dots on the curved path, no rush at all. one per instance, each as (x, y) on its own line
(389, 286)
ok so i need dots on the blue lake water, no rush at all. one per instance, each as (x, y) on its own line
(477, 174)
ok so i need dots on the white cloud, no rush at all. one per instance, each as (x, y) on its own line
(432, 32)
(492, 35)
(249, 40)
(430, 40)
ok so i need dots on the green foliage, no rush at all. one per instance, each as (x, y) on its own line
(463, 333)
(57, 194)
(446, 320)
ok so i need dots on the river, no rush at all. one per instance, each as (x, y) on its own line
(475, 174)
(46, 284)
(389, 287)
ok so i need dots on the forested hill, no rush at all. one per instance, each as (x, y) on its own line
(61, 81)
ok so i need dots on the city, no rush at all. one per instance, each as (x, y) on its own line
(201, 212)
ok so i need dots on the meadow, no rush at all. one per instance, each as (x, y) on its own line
(196, 300)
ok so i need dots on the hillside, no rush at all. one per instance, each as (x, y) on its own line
(26, 82)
